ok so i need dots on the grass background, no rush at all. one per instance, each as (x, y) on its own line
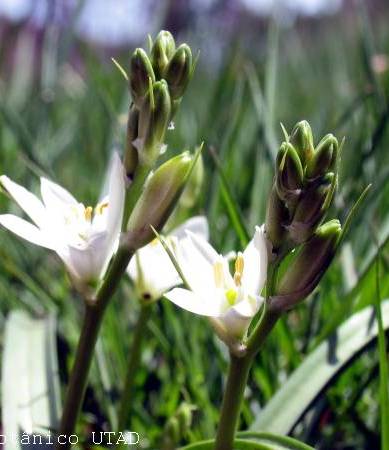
(62, 112)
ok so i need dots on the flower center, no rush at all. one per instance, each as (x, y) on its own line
(231, 296)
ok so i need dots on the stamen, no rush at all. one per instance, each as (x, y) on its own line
(100, 207)
(88, 213)
(239, 267)
(231, 296)
(218, 274)
(154, 242)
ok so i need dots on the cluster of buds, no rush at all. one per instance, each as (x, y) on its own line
(303, 189)
(157, 83)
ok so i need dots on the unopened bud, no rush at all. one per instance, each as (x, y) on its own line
(302, 140)
(193, 187)
(141, 73)
(276, 218)
(161, 52)
(178, 71)
(289, 174)
(324, 158)
(159, 197)
(153, 121)
(307, 267)
(311, 209)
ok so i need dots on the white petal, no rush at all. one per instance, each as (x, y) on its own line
(191, 302)
(115, 198)
(31, 204)
(87, 263)
(255, 263)
(197, 225)
(196, 268)
(203, 247)
(25, 230)
(55, 197)
(158, 274)
(238, 318)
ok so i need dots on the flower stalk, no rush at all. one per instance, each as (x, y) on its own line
(94, 313)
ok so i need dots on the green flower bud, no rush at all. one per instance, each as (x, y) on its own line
(193, 187)
(302, 140)
(311, 209)
(307, 266)
(325, 157)
(154, 118)
(161, 52)
(141, 72)
(276, 218)
(178, 71)
(160, 195)
(289, 174)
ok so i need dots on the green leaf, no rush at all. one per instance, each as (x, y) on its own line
(253, 440)
(310, 379)
(383, 362)
(30, 384)
(240, 444)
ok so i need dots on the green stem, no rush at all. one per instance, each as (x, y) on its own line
(94, 314)
(232, 401)
(133, 365)
(239, 370)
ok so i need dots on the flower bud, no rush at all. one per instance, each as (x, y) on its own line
(325, 157)
(289, 174)
(302, 140)
(153, 121)
(141, 72)
(311, 209)
(178, 71)
(307, 266)
(276, 218)
(193, 187)
(161, 52)
(159, 197)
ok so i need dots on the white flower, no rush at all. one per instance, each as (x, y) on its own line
(83, 237)
(230, 301)
(151, 269)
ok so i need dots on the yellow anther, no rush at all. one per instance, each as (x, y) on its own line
(231, 296)
(100, 207)
(88, 213)
(239, 267)
(218, 274)
(154, 242)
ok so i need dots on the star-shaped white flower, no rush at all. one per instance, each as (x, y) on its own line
(230, 301)
(151, 269)
(83, 237)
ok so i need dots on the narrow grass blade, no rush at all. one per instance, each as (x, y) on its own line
(236, 216)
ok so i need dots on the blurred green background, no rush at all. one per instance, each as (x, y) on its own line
(63, 108)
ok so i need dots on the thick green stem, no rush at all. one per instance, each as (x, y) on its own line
(232, 401)
(94, 313)
(133, 365)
